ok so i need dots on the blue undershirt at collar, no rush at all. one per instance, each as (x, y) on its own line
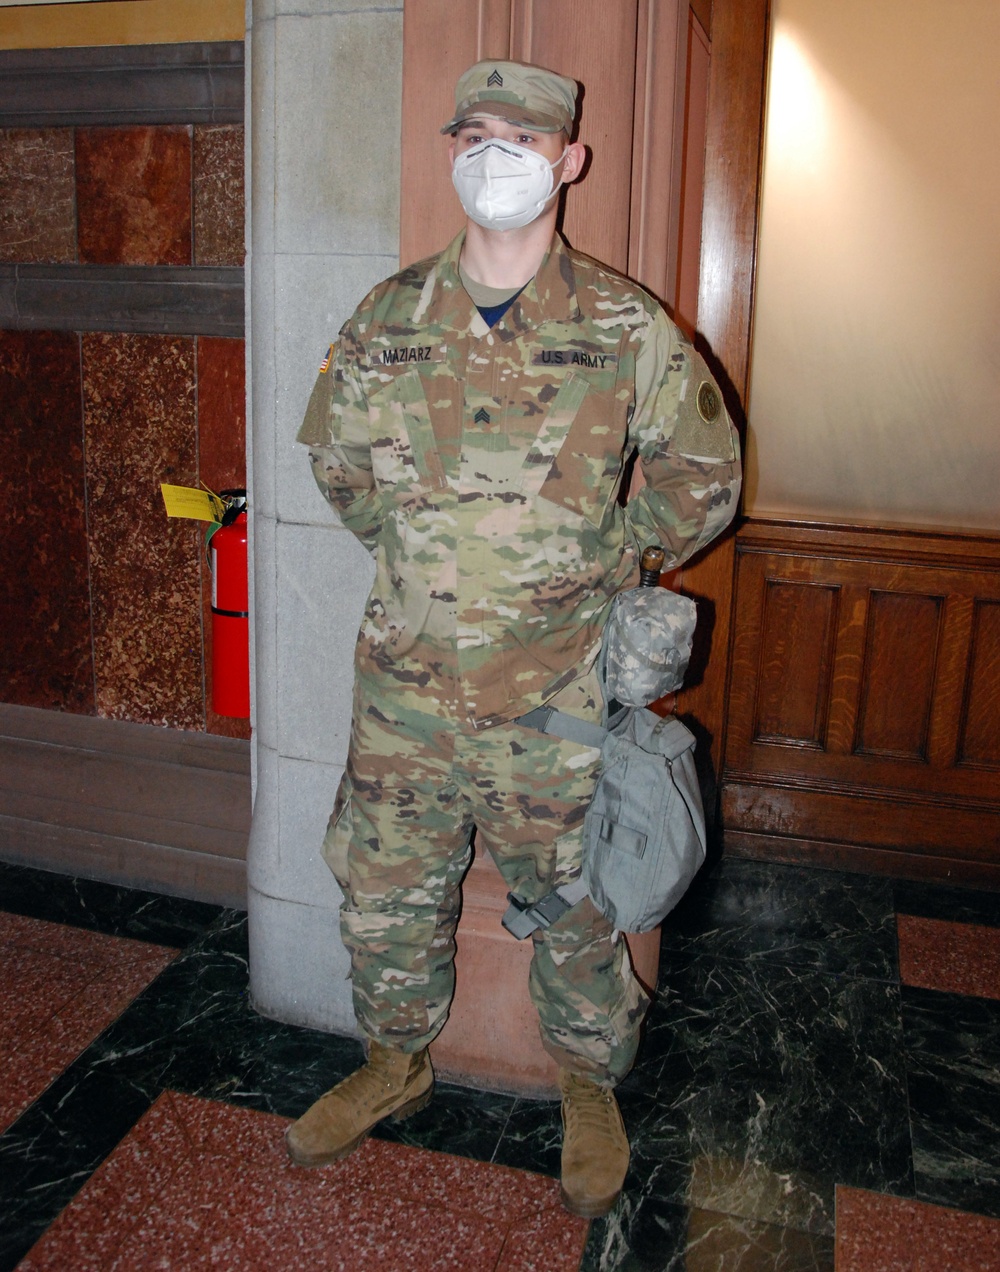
(493, 313)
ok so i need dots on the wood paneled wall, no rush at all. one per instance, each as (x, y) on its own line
(631, 58)
(585, 39)
(864, 703)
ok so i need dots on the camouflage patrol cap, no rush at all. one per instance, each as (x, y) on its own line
(517, 93)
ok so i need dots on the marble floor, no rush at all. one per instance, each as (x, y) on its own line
(818, 1089)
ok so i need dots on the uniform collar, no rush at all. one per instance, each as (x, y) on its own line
(549, 297)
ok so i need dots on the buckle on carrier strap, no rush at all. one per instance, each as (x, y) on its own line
(524, 917)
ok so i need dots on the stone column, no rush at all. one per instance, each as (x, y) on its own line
(323, 129)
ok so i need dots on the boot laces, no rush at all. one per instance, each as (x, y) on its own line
(590, 1108)
(378, 1075)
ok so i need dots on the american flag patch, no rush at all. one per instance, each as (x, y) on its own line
(324, 366)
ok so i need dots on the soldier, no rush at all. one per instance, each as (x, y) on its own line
(472, 426)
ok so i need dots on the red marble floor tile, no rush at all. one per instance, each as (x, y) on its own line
(199, 1184)
(59, 988)
(218, 194)
(957, 958)
(222, 466)
(139, 418)
(46, 658)
(37, 196)
(87, 1235)
(133, 195)
(35, 982)
(540, 1242)
(876, 1233)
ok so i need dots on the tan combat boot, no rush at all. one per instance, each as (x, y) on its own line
(392, 1084)
(595, 1147)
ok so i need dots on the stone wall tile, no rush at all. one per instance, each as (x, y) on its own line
(334, 146)
(187, 83)
(305, 794)
(37, 197)
(263, 649)
(311, 296)
(45, 654)
(325, 576)
(206, 301)
(261, 122)
(321, 8)
(262, 388)
(218, 195)
(287, 937)
(222, 436)
(134, 195)
(139, 418)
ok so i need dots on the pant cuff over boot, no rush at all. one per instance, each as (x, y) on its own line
(392, 1084)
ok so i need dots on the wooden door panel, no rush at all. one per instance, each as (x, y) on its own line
(979, 742)
(898, 675)
(594, 43)
(647, 148)
(439, 43)
(794, 683)
(725, 308)
(891, 833)
(655, 244)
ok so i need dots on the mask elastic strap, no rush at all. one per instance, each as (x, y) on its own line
(552, 167)
(555, 162)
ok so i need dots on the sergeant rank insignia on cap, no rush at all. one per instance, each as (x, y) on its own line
(495, 80)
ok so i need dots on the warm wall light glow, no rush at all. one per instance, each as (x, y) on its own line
(797, 118)
(875, 382)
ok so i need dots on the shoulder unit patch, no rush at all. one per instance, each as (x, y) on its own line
(709, 402)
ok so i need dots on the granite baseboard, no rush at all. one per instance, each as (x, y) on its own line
(153, 808)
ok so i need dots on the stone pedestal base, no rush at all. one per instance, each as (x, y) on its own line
(299, 969)
(491, 1040)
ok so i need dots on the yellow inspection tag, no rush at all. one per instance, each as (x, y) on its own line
(186, 501)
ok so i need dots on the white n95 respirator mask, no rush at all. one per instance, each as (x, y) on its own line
(502, 185)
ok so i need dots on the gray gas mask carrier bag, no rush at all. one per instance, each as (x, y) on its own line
(644, 832)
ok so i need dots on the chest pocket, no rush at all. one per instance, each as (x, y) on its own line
(404, 450)
(576, 459)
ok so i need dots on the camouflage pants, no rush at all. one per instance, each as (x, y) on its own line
(399, 844)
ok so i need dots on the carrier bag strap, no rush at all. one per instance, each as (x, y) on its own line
(522, 918)
(563, 725)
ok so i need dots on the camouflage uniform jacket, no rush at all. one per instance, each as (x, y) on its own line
(482, 468)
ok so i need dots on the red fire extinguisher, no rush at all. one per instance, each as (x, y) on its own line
(231, 610)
